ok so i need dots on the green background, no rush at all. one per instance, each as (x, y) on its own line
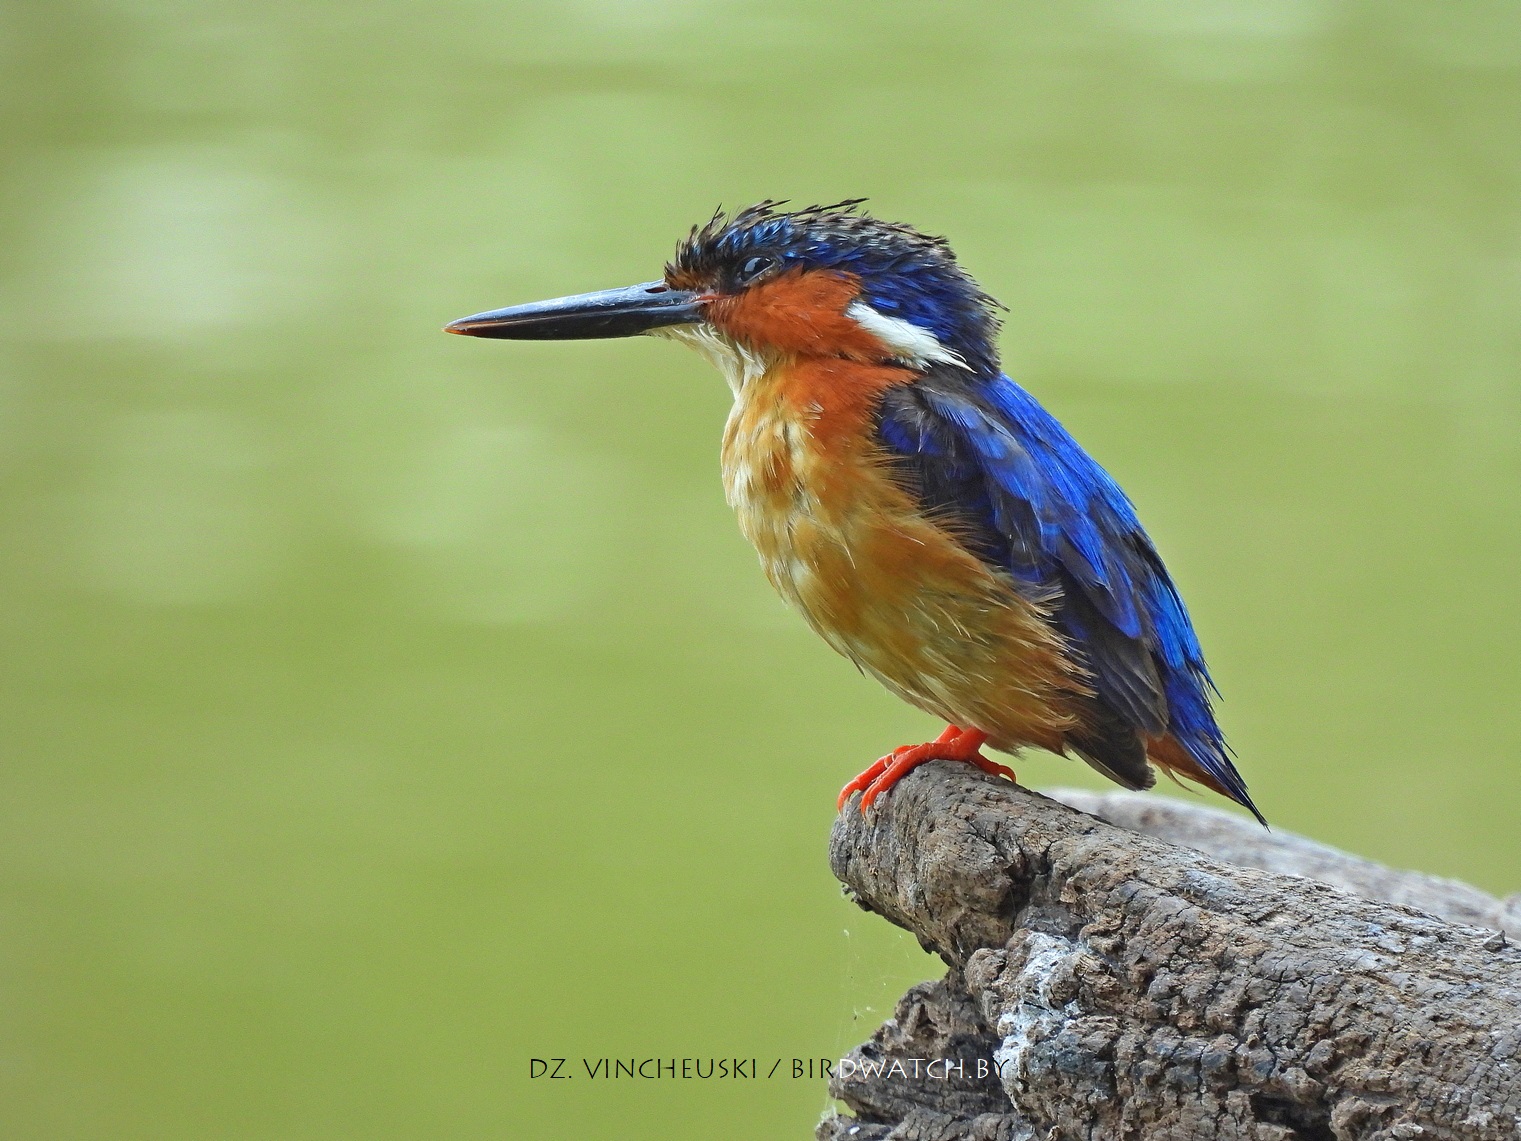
(383, 709)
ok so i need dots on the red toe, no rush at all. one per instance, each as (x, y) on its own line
(869, 777)
(955, 744)
(992, 768)
(862, 780)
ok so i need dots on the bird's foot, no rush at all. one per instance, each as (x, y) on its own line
(955, 744)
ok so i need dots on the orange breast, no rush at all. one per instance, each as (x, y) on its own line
(884, 585)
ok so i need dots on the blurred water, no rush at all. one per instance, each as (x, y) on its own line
(384, 709)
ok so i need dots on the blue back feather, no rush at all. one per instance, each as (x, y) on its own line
(1019, 490)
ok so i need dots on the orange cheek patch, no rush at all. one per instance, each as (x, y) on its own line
(801, 313)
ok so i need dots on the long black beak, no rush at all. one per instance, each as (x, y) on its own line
(610, 313)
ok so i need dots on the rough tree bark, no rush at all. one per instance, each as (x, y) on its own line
(1107, 983)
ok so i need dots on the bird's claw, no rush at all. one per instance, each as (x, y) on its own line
(955, 744)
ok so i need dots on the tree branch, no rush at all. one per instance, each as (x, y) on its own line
(1116, 985)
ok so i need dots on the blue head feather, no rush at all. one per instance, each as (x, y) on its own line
(903, 273)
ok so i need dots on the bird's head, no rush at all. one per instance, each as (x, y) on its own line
(765, 284)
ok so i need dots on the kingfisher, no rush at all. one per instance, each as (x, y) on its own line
(925, 515)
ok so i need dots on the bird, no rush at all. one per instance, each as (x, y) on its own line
(927, 517)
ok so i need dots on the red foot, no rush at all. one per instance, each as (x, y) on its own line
(955, 744)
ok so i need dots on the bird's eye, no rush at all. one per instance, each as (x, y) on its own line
(754, 267)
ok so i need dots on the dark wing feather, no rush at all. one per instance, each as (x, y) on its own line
(1010, 482)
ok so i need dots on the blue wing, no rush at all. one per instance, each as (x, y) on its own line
(1018, 489)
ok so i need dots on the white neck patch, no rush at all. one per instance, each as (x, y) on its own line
(901, 338)
(740, 365)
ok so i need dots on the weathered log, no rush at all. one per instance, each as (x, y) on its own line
(1107, 984)
(1237, 840)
